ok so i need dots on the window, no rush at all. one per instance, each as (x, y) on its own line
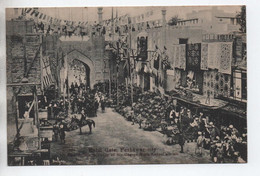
(239, 85)
(232, 20)
(192, 81)
(183, 40)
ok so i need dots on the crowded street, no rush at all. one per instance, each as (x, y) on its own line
(126, 88)
(111, 140)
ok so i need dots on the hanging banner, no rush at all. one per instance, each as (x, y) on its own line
(204, 56)
(179, 56)
(225, 57)
(182, 61)
(193, 56)
(213, 55)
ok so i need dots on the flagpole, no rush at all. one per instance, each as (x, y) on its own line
(109, 80)
(117, 74)
(113, 24)
(64, 94)
(131, 79)
(70, 13)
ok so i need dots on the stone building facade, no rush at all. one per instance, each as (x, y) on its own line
(90, 51)
(24, 52)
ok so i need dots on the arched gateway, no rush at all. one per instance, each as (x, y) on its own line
(87, 62)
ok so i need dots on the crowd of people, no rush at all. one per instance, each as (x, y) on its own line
(86, 99)
(80, 99)
(68, 30)
(153, 111)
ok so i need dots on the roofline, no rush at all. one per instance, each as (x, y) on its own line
(188, 20)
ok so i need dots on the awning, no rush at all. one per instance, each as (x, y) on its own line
(200, 101)
(235, 110)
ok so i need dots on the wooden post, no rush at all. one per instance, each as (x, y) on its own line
(36, 113)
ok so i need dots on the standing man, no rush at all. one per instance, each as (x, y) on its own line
(56, 131)
(62, 133)
(181, 141)
(200, 141)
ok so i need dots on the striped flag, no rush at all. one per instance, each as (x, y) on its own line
(46, 72)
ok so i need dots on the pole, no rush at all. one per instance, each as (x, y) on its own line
(126, 85)
(113, 25)
(117, 74)
(64, 92)
(117, 97)
(36, 114)
(131, 83)
(109, 80)
(17, 111)
(68, 80)
(131, 76)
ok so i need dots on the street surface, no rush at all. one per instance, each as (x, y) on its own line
(116, 141)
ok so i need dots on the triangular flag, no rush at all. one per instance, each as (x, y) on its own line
(36, 13)
(32, 12)
(40, 15)
(28, 10)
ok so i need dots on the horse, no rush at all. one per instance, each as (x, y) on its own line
(84, 122)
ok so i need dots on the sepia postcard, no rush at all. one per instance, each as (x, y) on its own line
(126, 85)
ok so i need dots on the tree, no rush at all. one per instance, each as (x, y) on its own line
(242, 19)
(173, 21)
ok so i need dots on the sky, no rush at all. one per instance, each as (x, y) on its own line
(90, 13)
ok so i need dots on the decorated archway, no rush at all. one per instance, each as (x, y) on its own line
(88, 69)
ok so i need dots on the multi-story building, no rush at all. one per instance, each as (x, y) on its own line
(215, 82)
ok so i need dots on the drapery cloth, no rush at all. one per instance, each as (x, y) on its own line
(193, 56)
(179, 56)
(220, 56)
(225, 57)
(204, 56)
(213, 55)
(156, 60)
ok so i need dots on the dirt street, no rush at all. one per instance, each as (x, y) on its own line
(116, 141)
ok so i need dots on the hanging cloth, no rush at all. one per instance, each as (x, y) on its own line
(213, 55)
(193, 56)
(182, 57)
(156, 61)
(225, 57)
(204, 56)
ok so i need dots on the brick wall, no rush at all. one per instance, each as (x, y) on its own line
(15, 27)
(20, 51)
